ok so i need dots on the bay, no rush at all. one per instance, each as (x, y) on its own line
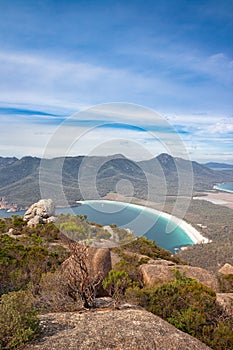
(142, 221)
(225, 186)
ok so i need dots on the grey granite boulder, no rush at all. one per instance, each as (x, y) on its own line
(40, 212)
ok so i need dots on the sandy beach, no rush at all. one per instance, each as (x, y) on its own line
(193, 234)
(217, 197)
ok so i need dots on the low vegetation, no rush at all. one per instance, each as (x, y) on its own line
(18, 319)
(78, 228)
(192, 308)
(218, 226)
(116, 283)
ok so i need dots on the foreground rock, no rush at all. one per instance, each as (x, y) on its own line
(40, 212)
(111, 329)
(162, 271)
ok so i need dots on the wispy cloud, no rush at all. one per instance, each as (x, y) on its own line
(224, 127)
(75, 85)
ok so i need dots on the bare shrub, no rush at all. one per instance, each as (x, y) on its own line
(82, 279)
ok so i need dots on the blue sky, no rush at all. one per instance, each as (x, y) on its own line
(60, 57)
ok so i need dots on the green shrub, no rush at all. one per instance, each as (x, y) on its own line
(18, 319)
(130, 264)
(226, 283)
(21, 263)
(2, 226)
(144, 246)
(116, 284)
(18, 221)
(192, 308)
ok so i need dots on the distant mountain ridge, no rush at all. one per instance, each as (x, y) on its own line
(213, 165)
(4, 161)
(19, 178)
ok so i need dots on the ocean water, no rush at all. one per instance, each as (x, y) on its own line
(5, 214)
(225, 186)
(141, 221)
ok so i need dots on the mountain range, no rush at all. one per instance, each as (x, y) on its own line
(24, 181)
(218, 166)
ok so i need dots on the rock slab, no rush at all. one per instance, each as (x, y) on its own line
(111, 329)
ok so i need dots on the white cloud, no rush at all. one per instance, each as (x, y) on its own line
(190, 60)
(49, 81)
(222, 127)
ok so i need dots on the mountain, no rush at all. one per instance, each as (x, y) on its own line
(68, 179)
(4, 161)
(177, 169)
(219, 166)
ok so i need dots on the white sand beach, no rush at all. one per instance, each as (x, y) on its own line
(193, 234)
(217, 197)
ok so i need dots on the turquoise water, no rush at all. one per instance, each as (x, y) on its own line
(141, 221)
(226, 187)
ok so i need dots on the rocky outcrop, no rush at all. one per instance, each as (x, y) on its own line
(40, 212)
(227, 269)
(111, 329)
(162, 271)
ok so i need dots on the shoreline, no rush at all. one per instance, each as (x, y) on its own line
(218, 188)
(195, 236)
(217, 197)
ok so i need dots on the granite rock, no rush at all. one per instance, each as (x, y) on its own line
(128, 329)
(40, 212)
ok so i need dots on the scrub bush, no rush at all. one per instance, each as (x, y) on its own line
(18, 320)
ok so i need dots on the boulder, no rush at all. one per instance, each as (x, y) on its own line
(40, 212)
(100, 260)
(161, 271)
(227, 269)
(35, 220)
(127, 329)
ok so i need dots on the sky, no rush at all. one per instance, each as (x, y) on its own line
(171, 60)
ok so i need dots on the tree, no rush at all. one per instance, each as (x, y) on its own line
(81, 279)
